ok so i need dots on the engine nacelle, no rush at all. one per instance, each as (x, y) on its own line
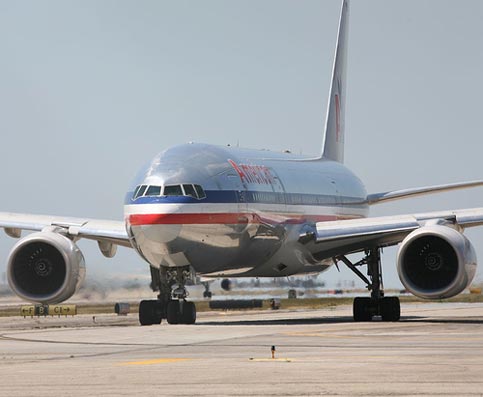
(226, 284)
(45, 267)
(436, 262)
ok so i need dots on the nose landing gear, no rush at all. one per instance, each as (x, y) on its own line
(181, 312)
(171, 303)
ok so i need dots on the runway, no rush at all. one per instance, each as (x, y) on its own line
(435, 350)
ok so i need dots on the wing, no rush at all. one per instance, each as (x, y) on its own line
(107, 233)
(383, 197)
(328, 239)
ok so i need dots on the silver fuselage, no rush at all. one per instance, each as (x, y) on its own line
(256, 206)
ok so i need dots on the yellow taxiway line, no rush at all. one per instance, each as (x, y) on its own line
(156, 361)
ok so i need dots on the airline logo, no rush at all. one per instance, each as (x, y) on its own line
(257, 174)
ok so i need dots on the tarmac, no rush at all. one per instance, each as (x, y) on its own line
(435, 350)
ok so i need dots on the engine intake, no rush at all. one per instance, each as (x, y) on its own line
(436, 262)
(45, 267)
(226, 284)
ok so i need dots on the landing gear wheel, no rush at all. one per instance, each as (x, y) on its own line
(181, 312)
(150, 312)
(362, 309)
(172, 312)
(207, 294)
(189, 313)
(390, 309)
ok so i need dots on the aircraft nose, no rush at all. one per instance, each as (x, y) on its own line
(162, 233)
(155, 228)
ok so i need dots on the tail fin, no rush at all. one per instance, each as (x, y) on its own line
(333, 146)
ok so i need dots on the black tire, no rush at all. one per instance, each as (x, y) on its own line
(390, 309)
(361, 309)
(189, 313)
(172, 312)
(150, 312)
(144, 316)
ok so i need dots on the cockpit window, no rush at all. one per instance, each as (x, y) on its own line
(199, 190)
(136, 191)
(139, 191)
(173, 190)
(153, 191)
(189, 190)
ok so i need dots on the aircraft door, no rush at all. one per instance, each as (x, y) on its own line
(278, 189)
(230, 183)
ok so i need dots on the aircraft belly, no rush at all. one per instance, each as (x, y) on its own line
(208, 248)
(252, 250)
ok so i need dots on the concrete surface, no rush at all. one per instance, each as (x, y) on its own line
(437, 349)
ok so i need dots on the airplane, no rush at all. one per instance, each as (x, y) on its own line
(223, 212)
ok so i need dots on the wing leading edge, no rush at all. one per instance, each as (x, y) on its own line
(383, 197)
(105, 232)
(328, 239)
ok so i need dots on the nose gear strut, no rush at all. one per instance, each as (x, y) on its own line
(171, 303)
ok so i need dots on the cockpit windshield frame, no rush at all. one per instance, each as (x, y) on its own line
(175, 190)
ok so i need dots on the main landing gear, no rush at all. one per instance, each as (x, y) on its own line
(171, 303)
(207, 293)
(364, 309)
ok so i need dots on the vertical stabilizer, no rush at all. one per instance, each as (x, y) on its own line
(333, 146)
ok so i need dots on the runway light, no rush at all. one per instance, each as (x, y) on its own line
(273, 351)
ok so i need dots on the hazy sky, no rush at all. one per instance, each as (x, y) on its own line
(90, 90)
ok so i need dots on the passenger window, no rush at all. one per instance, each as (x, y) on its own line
(173, 190)
(140, 191)
(189, 190)
(200, 192)
(153, 191)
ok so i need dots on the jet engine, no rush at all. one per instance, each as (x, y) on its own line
(45, 267)
(226, 284)
(436, 262)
